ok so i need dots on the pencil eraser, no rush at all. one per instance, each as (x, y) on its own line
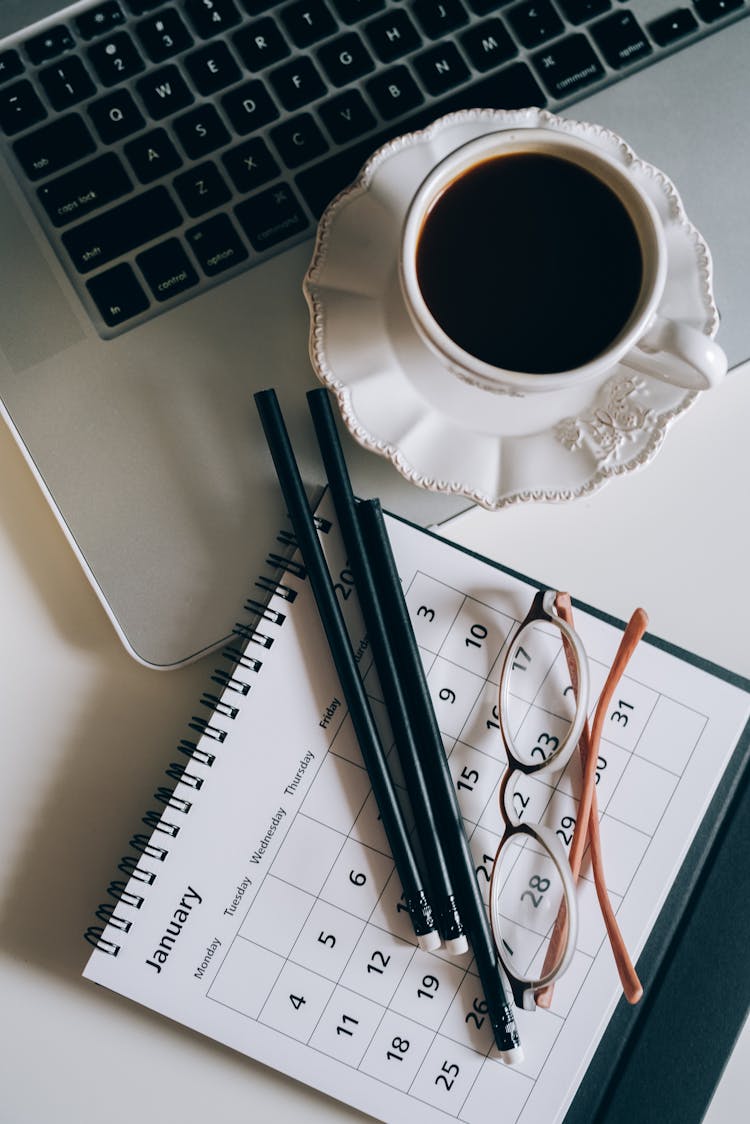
(457, 946)
(429, 942)
(512, 1057)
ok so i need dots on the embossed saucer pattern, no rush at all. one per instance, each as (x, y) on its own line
(439, 432)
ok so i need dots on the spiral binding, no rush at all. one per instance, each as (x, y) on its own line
(141, 866)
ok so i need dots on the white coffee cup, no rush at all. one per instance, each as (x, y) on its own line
(650, 342)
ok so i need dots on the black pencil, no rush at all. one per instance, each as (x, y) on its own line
(443, 793)
(442, 896)
(332, 619)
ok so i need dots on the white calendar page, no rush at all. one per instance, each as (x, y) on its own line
(266, 912)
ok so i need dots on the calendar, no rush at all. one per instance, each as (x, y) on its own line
(264, 909)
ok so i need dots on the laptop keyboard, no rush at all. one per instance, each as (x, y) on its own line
(166, 147)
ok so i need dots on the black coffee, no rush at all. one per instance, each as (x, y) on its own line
(529, 263)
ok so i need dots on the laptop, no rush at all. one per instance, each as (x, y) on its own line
(164, 166)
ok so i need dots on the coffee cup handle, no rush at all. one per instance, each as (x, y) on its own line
(678, 354)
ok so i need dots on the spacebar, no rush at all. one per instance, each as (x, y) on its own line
(115, 232)
(511, 88)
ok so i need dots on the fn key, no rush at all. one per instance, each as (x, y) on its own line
(117, 294)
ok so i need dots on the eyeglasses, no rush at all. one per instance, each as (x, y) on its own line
(543, 708)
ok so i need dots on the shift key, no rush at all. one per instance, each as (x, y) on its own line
(123, 228)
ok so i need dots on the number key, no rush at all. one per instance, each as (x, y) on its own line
(20, 107)
(164, 35)
(115, 58)
(211, 17)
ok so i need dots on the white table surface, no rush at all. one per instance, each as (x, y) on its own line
(81, 720)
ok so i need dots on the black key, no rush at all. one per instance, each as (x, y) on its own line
(345, 59)
(250, 164)
(438, 17)
(392, 36)
(115, 232)
(163, 35)
(441, 68)
(711, 10)
(621, 39)
(66, 83)
(201, 131)
(212, 68)
(20, 107)
(167, 269)
(394, 92)
(271, 217)
(261, 44)
(99, 20)
(202, 189)
(164, 91)
(299, 140)
(579, 11)
(296, 83)
(307, 21)
(92, 185)
(673, 26)
(567, 66)
(10, 65)
(216, 245)
(54, 146)
(346, 116)
(354, 11)
(49, 44)
(211, 17)
(117, 294)
(249, 107)
(152, 155)
(115, 116)
(510, 88)
(488, 44)
(534, 22)
(115, 58)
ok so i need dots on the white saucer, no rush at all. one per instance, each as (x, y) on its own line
(444, 434)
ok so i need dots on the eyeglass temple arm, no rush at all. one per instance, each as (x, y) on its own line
(587, 822)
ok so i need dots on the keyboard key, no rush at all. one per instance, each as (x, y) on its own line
(212, 68)
(296, 83)
(167, 269)
(621, 39)
(152, 155)
(164, 91)
(392, 36)
(250, 165)
(115, 58)
(354, 11)
(49, 44)
(115, 116)
(66, 83)
(217, 245)
(201, 131)
(271, 217)
(20, 107)
(394, 92)
(441, 68)
(130, 224)
(10, 65)
(117, 294)
(534, 22)
(54, 146)
(249, 107)
(299, 140)
(580, 11)
(261, 44)
(345, 59)
(307, 21)
(211, 17)
(567, 66)
(164, 35)
(202, 189)
(74, 194)
(346, 116)
(488, 44)
(675, 25)
(711, 10)
(438, 17)
(99, 20)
